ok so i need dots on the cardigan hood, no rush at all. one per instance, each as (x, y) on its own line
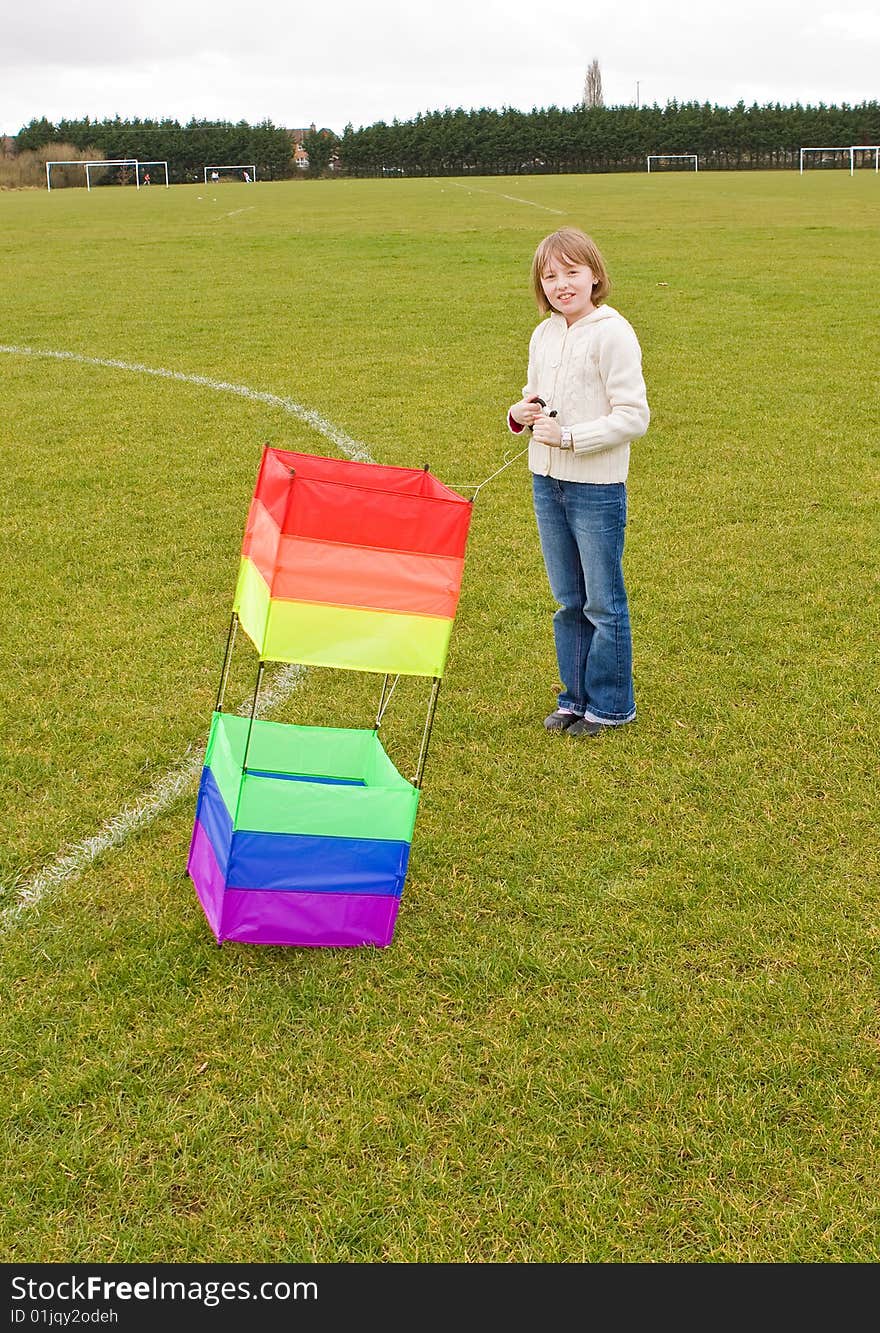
(594, 317)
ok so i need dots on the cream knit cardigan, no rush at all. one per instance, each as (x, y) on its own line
(591, 373)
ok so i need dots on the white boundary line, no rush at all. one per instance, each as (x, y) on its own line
(156, 799)
(165, 790)
(351, 448)
(249, 209)
(496, 194)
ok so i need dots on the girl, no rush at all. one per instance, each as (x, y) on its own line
(584, 402)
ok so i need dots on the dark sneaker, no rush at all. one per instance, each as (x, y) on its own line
(561, 721)
(583, 727)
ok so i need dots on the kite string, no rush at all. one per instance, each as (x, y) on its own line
(467, 485)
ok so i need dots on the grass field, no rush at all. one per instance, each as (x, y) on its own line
(630, 1012)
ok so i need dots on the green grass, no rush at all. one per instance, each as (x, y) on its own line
(630, 1010)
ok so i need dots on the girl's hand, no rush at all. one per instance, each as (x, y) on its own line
(526, 412)
(547, 430)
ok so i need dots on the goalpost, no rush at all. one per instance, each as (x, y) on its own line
(663, 157)
(852, 150)
(837, 149)
(236, 166)
(141, 165)
(867, 148)
(105, 162)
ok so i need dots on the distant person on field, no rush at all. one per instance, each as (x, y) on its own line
(584, 401)
(246, 178)
(215, 175)
(146, 178)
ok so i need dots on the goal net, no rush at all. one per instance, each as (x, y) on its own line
(243, 171)
(828, 158)
(863, 153)
(682, 161)
(124, 169)
(146, 172)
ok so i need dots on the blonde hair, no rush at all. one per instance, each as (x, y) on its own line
(572, 245)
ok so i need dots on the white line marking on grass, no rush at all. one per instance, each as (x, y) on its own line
(165, 790)
(155, 800)
(351, 448)
(496, 194)
(247, 209)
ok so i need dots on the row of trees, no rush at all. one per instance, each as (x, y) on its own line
(599, 138)
(584, 138)
(186, 148)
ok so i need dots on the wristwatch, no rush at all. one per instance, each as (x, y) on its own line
(566, 441)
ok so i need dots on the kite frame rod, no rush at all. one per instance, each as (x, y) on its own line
(227, 662)
(247, 745)
(385, 699)
(426, 735)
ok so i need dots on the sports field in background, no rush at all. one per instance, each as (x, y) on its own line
(630, 1010)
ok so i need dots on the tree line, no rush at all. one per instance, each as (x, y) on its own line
(485, 142)
(186, 148)
(601, 139)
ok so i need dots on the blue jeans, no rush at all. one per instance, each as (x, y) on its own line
(582, 527)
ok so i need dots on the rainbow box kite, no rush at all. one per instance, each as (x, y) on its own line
(302, 834)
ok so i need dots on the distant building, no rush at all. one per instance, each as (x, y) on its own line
(300, 156)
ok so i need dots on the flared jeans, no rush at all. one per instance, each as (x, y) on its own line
(582, 527)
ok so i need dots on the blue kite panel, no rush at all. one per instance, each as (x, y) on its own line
(214, 818)
(309, 864)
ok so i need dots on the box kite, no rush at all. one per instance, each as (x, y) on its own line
(302, 834)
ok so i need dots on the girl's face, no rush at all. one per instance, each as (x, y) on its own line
(568, 287)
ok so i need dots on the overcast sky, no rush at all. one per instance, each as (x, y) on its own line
(368, 60)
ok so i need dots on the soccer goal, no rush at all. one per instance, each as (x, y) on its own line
(89, 166)
(666, 157)
(142, 170)
(866, 148)
(823, 162)
(246, 171)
